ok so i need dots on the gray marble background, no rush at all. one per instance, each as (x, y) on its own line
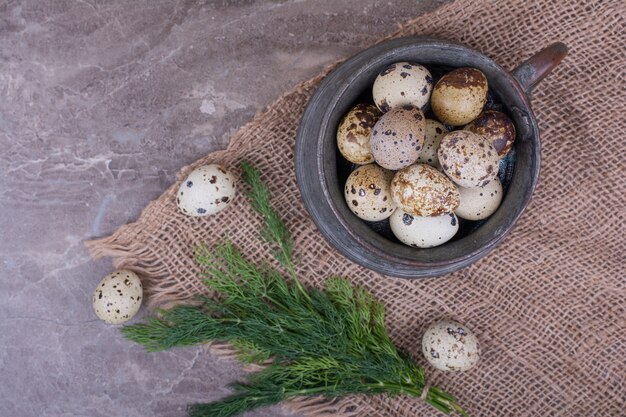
(101, 102)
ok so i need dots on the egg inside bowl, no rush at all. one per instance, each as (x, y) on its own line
(322, 171)
(506, 164)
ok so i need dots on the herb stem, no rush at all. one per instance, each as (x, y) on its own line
(292, 273)
(276, 231)
(396, 388)
(329, 341)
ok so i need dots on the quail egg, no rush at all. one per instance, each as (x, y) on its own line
(368, 194)
(423, 231)
(207, 190)
(353, 134)
(469, 159)
(450, 346)
(480, 203)
(421, 190)
(117, 297)
(497, 128)
(398, 137)
(402, 83)
(435, 131)
(459, 96)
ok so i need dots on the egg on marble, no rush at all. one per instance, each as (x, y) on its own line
(402, 83)
(423, 231)
(398, 137)
(421, 190)
(367, 192)
(353, 134)
(469, 159)
(479, 203)
(434, 132)
(117, 297)
(450, 346)
(459, 96)
(207, 190)
(497, 127)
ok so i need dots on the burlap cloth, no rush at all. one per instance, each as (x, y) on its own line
(549, 305)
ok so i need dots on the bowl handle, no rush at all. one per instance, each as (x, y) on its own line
(530, 72)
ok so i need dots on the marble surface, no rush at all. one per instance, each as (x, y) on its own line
(101, 103)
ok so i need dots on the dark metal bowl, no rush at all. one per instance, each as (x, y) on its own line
(321, 171)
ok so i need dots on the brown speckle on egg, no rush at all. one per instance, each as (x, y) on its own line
(398, 137)
(372, 202)
(422, 231)
(455, 345)
(467, 159)
(212, 184)
(479, 203)
(497, 127)
(459, 96)
(113, 305)
(400, 84)
(421, 190)
(434, 132)
(353, 133)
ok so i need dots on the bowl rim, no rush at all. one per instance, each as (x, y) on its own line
(314, 127)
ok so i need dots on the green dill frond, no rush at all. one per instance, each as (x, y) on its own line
(275, 231)
(250, 352)
(179, 326)
(329, 342)
(245, 398)
(150, 334)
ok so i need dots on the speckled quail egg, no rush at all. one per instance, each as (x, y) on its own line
(353, 134)
(367, 193)
(497, 128)
(423, 231)
(450, 346)
(459, 96)
(398, 137)
(435, 131)
(469, 159)
(421, 190)
(118, 296)
(480, 203)
(402, 83)
(207, 190)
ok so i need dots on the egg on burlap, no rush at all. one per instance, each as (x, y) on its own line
(117, 297)
(402, 83)
(398, 137)
(207, 190)
(469, 159)
(367, 193)
(450, 346)
(354, 131)
(421, 190)
(423, 231)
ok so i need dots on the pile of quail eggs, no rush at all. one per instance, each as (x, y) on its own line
(424, 173)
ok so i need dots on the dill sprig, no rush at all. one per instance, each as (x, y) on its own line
(325, 342)
(275, 231)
